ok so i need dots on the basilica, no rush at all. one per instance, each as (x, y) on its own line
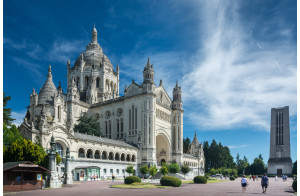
(144, 126)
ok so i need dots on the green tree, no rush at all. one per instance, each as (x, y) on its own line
(6, 111)
(153, 170)
(234, 172)
(88, 125)
(186, 143)
(129, 169)
(185, 169)
(144, 170)
(258, 166)
(295, 168)
(173, 168)
(164, 170)
(24, 150)
(10, 135)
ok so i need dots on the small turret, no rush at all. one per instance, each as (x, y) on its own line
(177, 102)
(94, 35)
(148, 73)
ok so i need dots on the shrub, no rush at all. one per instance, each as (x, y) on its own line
(232, 178)
(132, 179)
(164, 170)
(206, 176)
(170, 181)
(200, 180)
(295, 185)
(235, 176)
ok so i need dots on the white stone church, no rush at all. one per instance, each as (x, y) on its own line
(145, 126)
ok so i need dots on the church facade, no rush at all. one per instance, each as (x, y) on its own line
(145, 126)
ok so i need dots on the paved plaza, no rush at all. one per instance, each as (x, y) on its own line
(222, 188)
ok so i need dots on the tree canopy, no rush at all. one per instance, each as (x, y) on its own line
(295, 168)
(153, 170)
(88, 125)
(144, 170)
(7, 111)
(185, 169)
(173, 168)
(186, 143)
(217, 156)
(129, 169)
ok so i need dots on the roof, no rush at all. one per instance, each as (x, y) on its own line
(102, 140)
(195, 140)
(10, 165)
(48, 90)
(189, 156)
(84, 167)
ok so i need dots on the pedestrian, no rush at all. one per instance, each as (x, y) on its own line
(244, 183)
(113, 178)
(97, 177)
(91, 177)
(264, 183)
(94, 177)
(275, 178)
(253, 178)
(250, 176)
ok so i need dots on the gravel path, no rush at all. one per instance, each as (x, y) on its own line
(222, 188)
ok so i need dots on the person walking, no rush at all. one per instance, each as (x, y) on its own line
(253, 178)
(264, 183)
(113, 178)
(91, 177)
(244, 183)
(276, 178)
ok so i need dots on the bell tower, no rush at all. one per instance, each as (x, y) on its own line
(280, 161)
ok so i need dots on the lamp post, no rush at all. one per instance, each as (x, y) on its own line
(54, 181)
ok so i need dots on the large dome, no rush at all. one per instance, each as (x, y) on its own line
(93, 54)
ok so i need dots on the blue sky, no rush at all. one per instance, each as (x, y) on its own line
(235, 60)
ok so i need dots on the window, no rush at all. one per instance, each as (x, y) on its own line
(123, 171)
(279, 128)
(129, 119)
(59, 113)
(117, 171)
(109, 129)
(104, 171)
(59, 149)
(98, 82)
(135, 118)
(118, 128)
(111, 171)
(107, 114)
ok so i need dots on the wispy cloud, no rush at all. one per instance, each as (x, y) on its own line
(163, 64)
(34, 68)
(238, 81)
(62, 49)
(19, 116)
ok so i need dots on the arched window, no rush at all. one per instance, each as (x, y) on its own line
(59, 113)
(117, 157)
(77, 82)
(97, 154)
(59, 149)
(121, 128)
(109, 129)
(104, 155)
(133, 158)
(128, 158)
(123, 157)
(81, 153)
(89, 154)
(111, 156)
(118, 128)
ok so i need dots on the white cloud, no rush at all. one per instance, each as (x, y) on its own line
(61, 50)
(19, 116)
(238, 81)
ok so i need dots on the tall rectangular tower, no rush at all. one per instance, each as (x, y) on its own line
(280, 161)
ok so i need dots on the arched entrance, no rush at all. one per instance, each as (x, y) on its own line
(162, 149)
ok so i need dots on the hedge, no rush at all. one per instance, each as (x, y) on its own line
(131, 179)
(295, 185)
(200, 180)
(232, 178)
(170, 181)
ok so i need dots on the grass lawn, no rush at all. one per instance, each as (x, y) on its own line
(143, 186)
(211, 180)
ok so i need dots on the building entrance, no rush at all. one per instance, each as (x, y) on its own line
(279, 172)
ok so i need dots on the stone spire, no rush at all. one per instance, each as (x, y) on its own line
(148, 73)
(94, 35)
(49, 72)
(195, 140)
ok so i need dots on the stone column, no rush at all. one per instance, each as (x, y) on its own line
(54, 181)
(68, 175)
